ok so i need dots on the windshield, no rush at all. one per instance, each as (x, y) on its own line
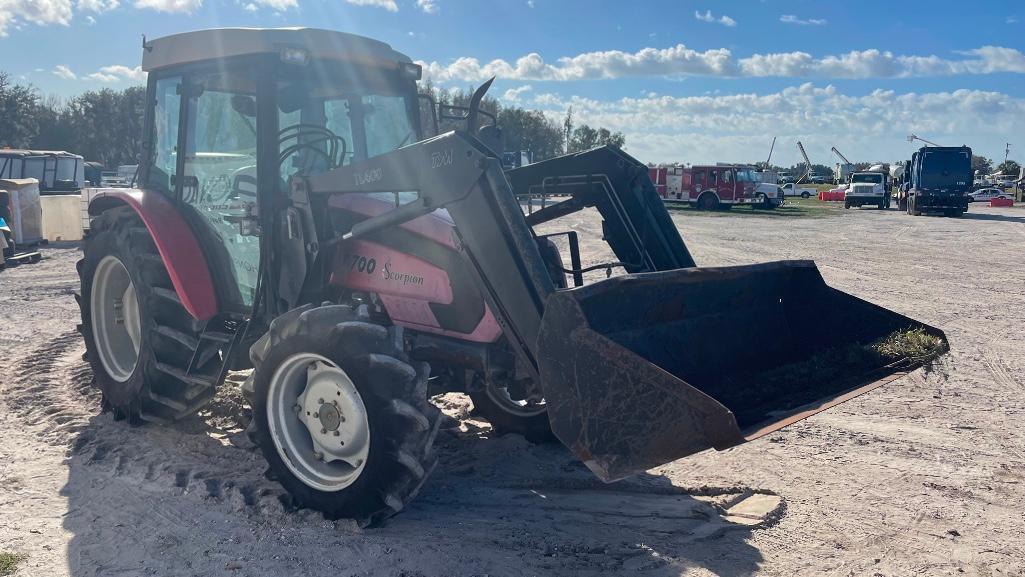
(747, 175)
(872, 178)
(333, 115)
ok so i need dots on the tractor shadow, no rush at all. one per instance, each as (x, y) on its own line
(543, 502)
(194, 493)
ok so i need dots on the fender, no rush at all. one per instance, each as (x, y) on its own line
(178, 247)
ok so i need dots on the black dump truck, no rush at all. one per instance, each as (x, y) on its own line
(938, 179)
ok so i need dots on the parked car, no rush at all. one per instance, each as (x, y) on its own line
(988, 194)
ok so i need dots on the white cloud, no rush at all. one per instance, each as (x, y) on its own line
(530, 3)
(64, 72)
(174, 6)
(250, 7)
(98, 5)
(513, 94)
(39, 12)
(388, 5)
(279, 5)
(1012, 20)
(791, 19)
(738, 127)
(678, 60)
(708, 17)
(118, 73)
(682, 61)
(428, 6)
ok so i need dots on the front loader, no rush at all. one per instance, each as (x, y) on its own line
(294, 218)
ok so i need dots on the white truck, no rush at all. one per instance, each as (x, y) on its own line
(791, 189)
(867, 188)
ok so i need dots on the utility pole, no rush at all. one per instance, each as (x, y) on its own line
(1007, 151)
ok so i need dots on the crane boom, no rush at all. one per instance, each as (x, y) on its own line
(842, 157)
(806, 161)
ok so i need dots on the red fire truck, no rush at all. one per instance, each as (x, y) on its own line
(709, 187)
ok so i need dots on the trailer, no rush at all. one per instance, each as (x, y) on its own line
(57, 171)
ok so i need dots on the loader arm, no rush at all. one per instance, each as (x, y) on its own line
(635, 222)
(456, 172)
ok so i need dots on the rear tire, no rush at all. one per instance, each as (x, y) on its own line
(708, 201)
(149, 385)
(534, 427)
(805, 195)
(401, 424)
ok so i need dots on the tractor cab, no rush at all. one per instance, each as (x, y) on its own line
(236, 113)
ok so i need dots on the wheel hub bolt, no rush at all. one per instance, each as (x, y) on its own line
(337, 433)
(323, 431)
(318, 455)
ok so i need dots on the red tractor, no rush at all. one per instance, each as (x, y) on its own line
(292, 217)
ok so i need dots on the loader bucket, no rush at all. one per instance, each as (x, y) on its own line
(640, 370)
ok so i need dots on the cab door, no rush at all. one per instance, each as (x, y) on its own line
(219, 182)
(727, 185)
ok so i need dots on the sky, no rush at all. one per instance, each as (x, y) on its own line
(689, 82)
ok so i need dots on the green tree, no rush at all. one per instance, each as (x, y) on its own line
(567, 126)
(531, 130)
(981, 164)
(19, 123)
(585, 138)
(1009, 167)
(106, 125)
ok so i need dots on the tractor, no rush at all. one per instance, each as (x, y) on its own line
(292, 216)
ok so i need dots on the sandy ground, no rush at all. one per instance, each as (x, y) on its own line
(921, 477)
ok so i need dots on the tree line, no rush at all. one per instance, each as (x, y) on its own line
(102, 125)
(106, 125)
(524, 129)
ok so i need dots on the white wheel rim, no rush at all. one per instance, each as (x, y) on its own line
(117, 326)
(318, 422)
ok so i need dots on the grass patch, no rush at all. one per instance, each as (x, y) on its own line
(915, 345)
(9, 563)
(827, 373)
(794, 207)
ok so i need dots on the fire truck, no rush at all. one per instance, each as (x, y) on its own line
(713, 187)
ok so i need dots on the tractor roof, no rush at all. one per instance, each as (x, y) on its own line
(218, 43)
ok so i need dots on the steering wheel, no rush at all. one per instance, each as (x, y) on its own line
(315, 137)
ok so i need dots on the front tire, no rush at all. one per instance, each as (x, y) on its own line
(139, 339)
(360, 443)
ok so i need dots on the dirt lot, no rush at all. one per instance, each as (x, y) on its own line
(925, 476)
